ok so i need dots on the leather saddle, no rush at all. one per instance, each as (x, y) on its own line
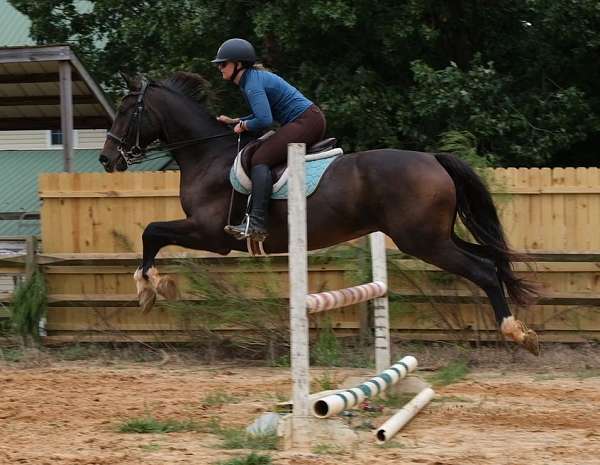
(247, 152)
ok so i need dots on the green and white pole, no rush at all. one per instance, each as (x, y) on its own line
(344, 400)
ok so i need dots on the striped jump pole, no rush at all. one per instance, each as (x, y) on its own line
(336, 403)
(329, 300)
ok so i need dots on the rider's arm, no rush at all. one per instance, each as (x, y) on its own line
(261, 110)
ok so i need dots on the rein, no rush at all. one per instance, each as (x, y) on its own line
(135, 154)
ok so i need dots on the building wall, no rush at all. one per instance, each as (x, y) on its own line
(40, 139)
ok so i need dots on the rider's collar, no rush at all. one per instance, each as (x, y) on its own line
(244, 77)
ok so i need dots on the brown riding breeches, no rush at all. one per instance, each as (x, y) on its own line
(308, 128)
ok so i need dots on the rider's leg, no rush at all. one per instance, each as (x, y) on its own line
(308, 128)
(255, 226)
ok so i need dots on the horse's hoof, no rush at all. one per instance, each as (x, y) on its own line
(531, 342)
(147, 297)
(167, 288)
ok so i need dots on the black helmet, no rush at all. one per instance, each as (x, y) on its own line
(236, 50)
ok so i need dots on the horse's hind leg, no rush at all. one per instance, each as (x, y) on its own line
(482, 271)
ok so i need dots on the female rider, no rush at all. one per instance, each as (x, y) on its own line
(271, 99)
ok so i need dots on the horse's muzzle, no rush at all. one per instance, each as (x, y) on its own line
(119, 163)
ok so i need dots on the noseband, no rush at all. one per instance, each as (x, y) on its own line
(135, 153)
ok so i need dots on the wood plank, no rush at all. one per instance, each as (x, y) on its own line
(443, 296)
(63, 337)
(109, 194)
(35, 100)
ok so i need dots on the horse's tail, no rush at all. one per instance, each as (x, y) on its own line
(478, 213)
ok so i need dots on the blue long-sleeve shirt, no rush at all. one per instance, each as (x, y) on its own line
(271, 98)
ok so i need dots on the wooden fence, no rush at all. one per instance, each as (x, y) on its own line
(91, 235)
(545, 209)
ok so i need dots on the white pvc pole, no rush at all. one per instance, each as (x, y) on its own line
(381, 318)
(349, 398)
(395, 423)
(298, 270)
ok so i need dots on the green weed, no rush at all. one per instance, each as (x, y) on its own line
(396, 400)
(29, 305)
(234, 438)
(219, 398)
(326, 382)
(152, 447)
(11, 354)
(252, 459)
(455, 399)
(589, 373)
(327, 449)
(152, 425)
(452, 373)
(326, 351)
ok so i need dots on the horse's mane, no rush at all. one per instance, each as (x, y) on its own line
(191, 85)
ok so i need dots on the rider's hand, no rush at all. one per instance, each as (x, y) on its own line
(227, 119)
(239, 128)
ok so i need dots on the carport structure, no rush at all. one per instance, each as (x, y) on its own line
(47, 87)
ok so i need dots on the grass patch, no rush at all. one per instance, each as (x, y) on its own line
(451, 399)
(283, 361)
(12, 355)
(152, 447)
(251, 459)
(589, 373)
(326, 382)
(452, 373)
(546, 377)
(234, 438)
(152, 425)
(29, 305)
(327, 449)
(219, 398)
(327, 350)
(396, 400)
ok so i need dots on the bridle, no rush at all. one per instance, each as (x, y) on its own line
(134, 154)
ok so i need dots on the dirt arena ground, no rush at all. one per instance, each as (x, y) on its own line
(509, 410)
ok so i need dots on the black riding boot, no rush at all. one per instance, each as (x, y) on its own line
(255, 225)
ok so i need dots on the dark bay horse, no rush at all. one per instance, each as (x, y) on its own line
(412, 197)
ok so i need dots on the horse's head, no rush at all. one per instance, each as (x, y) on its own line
(133, 129)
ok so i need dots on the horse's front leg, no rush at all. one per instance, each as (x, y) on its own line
(156, 236)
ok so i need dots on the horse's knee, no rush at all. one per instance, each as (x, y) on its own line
(151, 232)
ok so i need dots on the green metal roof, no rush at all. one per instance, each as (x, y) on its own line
(14, 26)
(19, 171)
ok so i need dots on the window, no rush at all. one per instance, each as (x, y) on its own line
(56, 137)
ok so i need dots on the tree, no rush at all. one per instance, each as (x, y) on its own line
(521, 77)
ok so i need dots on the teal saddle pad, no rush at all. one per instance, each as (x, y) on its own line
(314, 172)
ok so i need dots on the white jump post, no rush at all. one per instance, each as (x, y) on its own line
(298, 269)
(300, 302)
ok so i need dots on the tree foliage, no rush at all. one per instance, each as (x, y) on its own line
(520, 76)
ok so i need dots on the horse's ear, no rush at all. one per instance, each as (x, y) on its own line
(133, 83)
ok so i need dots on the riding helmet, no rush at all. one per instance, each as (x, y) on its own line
(236, 50)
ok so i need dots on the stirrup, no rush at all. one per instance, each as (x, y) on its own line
(235, 230)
